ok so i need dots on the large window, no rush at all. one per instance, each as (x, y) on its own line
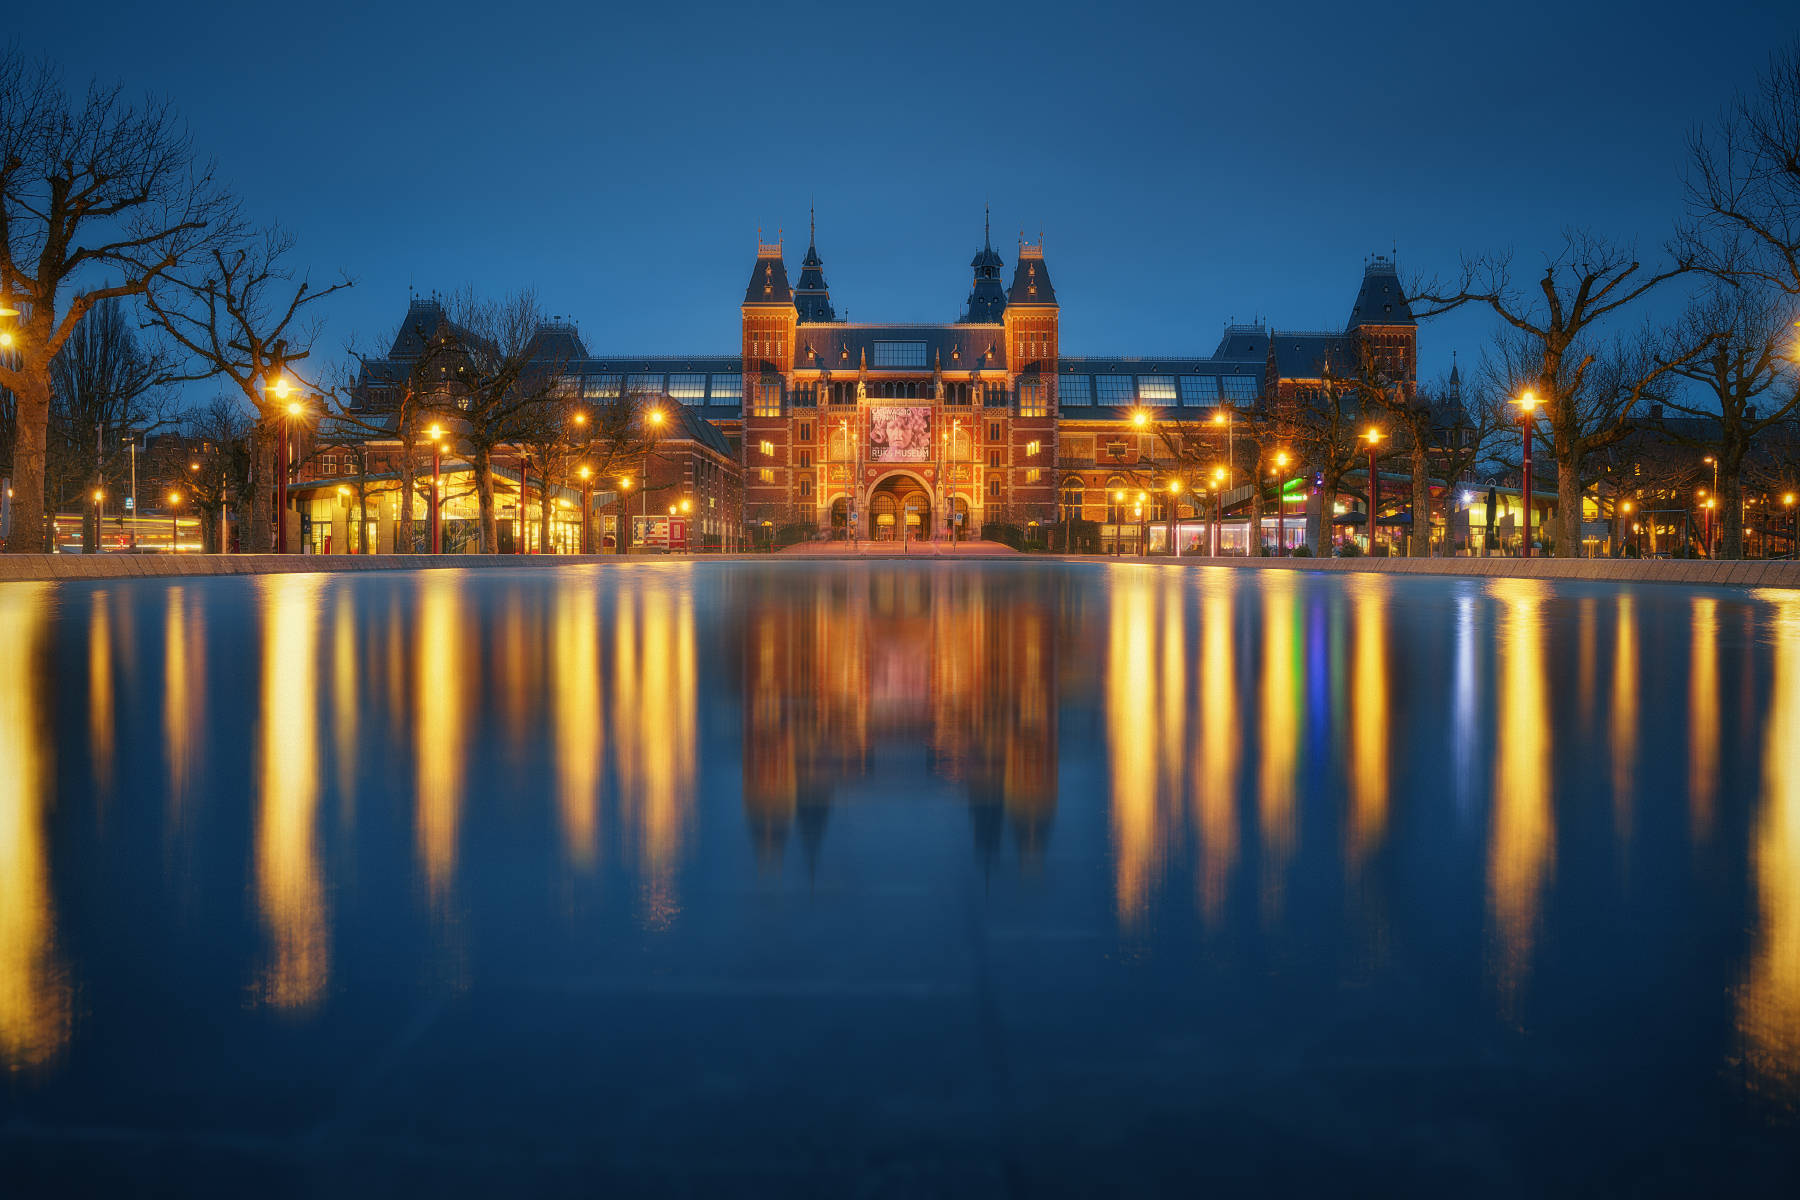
(727, 389)
(1156, 389)
(1115, 389)
(689, 389)
(1199, 391)
(651, 385)
(1076, 389)
(600, 387)
(900, 354)
(766, 397)
(1239, 387)
(1031, 400)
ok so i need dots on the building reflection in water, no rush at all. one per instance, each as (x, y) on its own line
(34, 993)
(290, 886)
(1522, 838)
(1279, 737)
(1219, 730)
(1142, 790)
(838, 667)
(1624, 732)
(1769, 1001)
(1703, 716)
(576, 717)
(1369, 719)
(444, 686)
(654, 730)
(345, 678)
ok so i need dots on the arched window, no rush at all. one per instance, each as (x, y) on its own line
(1118, 500)
(1072, 496)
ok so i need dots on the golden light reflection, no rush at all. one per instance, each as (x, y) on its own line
(1768, 1015)
(1624, 731)
(34, 993)
(1369, 721)
(184, 694)
(575, 714)
(1279, 731)
(1221, 735)
(443, 687)
(344, 706)
(1131, 740)
(289, 883)
(1522, 840)
(1703, 717)
(100, 690)
(655, 675)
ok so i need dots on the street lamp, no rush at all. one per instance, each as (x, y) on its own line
(436, 434)
(1223, 416)
(1374, 440)
(174, 527)
(623, 534)
(1624, 511)
(1793, 520)
(279, 387)
(99, 512)
(1281, 462)
(1118, 513)
(1528, 403)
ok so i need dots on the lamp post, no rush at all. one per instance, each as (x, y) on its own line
(1624, 511)
(1281, 462)
(655, 418)
(99, 512)
(1527, 409)
(622, 535)
(1712, 462)
(1143, 499)
(278, 387)
(174, 526)
(1118, 515)
(1174, 503)
(436, 433)
(1793, 524)
(1224, 416)
(587, 504)
(1374, 439)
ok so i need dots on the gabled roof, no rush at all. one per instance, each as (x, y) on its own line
(1308, 355)
(768, 278)
(697, 428)
(559, 342)
(1031, 279)
(1244, 343)
(1380, 301)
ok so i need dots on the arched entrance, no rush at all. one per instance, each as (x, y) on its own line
(840, 518)
(899, 503)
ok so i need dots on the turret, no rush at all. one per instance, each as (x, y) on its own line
(812, 299)
(987, 301)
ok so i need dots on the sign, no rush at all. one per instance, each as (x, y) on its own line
(900, 434)
(130, 503)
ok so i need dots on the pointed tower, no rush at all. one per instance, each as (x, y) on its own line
(1031, 320)
(769, 322)
(1382, 321)
(988, 299)
(812, 299)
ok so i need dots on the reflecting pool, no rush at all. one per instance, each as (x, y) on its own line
(812, 878)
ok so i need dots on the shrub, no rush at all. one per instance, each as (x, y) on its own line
(1347, 550)
(1301, 551)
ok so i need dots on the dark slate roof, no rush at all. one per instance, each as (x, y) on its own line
(424, 318)
(1031, 279)
(987, 300)
(768, 279)
(1380, 301)
(841, 348)
(559, 342)
(1307, 355)
(1244, 343)
(697, 428)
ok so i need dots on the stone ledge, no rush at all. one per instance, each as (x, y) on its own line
(1754, 573)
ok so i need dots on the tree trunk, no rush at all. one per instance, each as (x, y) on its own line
(1568, 507)
(1419, 541)
(362, 506)
(481, 463)
(544, 513)
(1256, 515)
(409, 492)
(254, 515)
(31, 416)
(1731, 504)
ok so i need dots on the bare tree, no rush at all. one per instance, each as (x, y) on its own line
(501, 380)
(241, 314)
(103, 382)
(99, 197)
(1556, 327)
(219, 465)
(1747, 328)
(1743, 181)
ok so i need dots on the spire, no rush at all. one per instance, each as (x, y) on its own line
(988, 299)
(1455, 374)
(768, 278)
(812, 298)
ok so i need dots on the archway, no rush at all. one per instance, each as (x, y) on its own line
(899, 505)
(840, 518)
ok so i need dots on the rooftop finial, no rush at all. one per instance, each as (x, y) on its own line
(812, 228)
(987, 227)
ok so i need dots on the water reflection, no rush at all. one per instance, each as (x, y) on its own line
(1220, 736)
(34, 996)
(1370, 714)
(1279, 737)
(1703, 714)
(1521, 843)
(653, 729)
(184, 694)
(1769, 1000)
(290, 889)
(100, 690)
(575, 708)
(1624, 739)
(444, 687)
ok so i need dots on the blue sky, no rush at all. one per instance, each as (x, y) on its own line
(1188, 164)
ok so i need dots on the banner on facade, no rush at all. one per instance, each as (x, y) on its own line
(900, 434)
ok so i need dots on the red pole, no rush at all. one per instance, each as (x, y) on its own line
(1527, 550)
(1374, 495)
(524, 495)
(437, 501)
(281, 482)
